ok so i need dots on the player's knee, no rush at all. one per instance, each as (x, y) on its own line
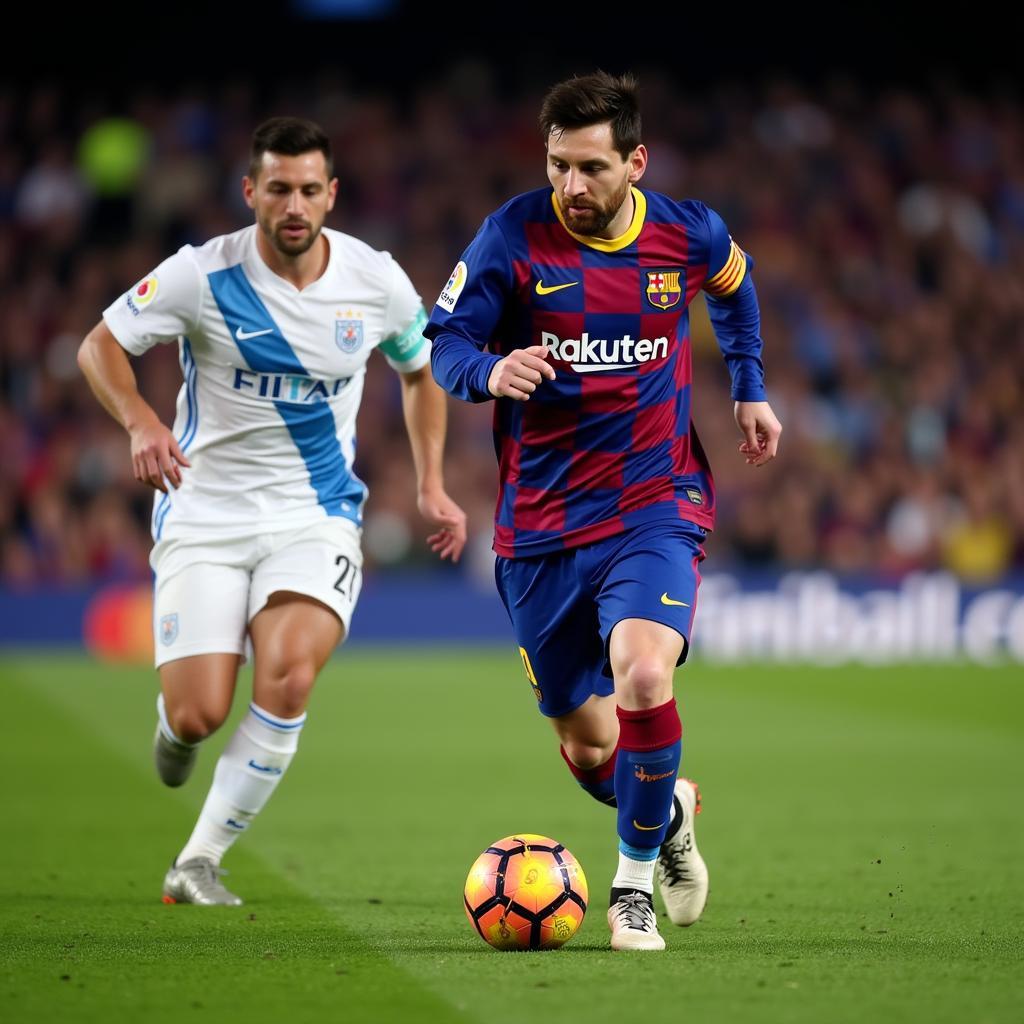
(193, 723)
(586, 755)
(290, 688)
(644, 682)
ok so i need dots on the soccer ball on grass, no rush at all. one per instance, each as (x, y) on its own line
(526, 892)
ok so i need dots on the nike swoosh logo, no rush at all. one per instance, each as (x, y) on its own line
(646, 828)
(665, 599)
(543, 289)
(246, 335)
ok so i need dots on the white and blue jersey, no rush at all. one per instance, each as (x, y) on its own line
(272, 378)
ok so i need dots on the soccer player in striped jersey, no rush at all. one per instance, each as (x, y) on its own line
(569, 310)
(257, 516)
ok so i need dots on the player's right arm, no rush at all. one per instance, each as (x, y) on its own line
(464, 320)
(160, 308)
(156, 454)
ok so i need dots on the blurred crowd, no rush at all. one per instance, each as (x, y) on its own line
(887, 230)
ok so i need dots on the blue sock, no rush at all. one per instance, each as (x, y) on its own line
(650, 749)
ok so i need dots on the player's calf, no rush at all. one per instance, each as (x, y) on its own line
(246, 775)
(174, 759)
(650, 747)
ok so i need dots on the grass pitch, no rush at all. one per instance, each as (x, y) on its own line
(863, 830)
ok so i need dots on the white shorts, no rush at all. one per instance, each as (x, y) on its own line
(208, 591)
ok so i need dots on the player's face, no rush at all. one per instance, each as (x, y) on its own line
(591, 180)
(291, 197)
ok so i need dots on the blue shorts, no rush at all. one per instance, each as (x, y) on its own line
(563, 606)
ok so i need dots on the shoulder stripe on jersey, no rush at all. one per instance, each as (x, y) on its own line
(312, 427)
(259, 339)
(730, 277)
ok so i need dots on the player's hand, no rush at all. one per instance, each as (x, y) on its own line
(439, 510)
(520, 372)
(760, 430)
(156, 456)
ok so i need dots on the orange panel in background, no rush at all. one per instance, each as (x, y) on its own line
(118, 624)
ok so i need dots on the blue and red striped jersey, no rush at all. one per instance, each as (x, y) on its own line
(609, 444)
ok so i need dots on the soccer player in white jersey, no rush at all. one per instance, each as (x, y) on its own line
(256, 525)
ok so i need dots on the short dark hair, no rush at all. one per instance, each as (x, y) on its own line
(289, 136)
(580, 102)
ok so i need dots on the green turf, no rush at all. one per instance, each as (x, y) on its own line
(863, 830)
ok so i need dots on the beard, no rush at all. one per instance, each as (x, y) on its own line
(286, 244)
(596, 216)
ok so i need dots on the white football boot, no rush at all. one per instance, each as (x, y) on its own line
(633, 922)
(681, 872)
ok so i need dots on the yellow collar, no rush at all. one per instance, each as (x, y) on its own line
(611, 244)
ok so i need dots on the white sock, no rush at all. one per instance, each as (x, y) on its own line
(165, 726)
(247, 773)
(635, 874)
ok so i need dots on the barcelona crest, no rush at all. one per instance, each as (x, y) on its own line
(663, 290)
(348, 334)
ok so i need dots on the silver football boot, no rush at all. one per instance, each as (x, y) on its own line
(198, 881)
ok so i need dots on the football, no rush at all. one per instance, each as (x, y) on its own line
(526, 892)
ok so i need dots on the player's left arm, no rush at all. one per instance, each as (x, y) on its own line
(425, 408)
(736, 319)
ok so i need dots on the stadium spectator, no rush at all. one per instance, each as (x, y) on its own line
(889, 234)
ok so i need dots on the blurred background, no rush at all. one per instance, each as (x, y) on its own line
(874, 169)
